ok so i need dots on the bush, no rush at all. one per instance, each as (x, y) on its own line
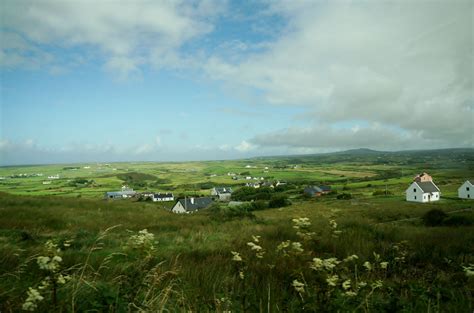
(259, 205)
(457, 220)
(434, 217)
(278, 201)
(344, 196)
(222, 213)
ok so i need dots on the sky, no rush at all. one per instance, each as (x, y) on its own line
(90, 81)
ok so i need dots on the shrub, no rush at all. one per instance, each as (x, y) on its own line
(434, 217)
(457, 220)
(259, 205)
(344, 196)
(278, 201)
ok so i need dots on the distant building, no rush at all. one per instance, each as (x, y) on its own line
(191, 205)
(423, 189)
(254, 185)
(161, 197)
(53, 177)
(224, 193)
(123, 194)
(316, 191)
(466, 191)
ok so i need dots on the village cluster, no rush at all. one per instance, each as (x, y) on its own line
(422, 190)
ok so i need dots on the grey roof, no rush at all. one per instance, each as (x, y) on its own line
(312, 189)
(119, 193)
(199, 203)
(428, 186)
(163, 195)
(325, 188)
(223, 190)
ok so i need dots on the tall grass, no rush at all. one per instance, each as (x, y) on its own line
(188, 266)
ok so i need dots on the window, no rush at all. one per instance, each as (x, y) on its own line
(415, 197)
(467, 188)
(468, 195)
(414, 189)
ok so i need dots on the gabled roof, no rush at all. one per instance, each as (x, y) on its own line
(428, 186)
(325, 188)
(313, 189)
(198, 203)
(121, 193)
(223, 190)
(163, 195)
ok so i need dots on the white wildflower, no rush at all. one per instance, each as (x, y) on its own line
(383, 265)
(332, 280)
(31, 303)
(330, 263)
(256, 238)
(317, 264)
(297, 247)
(469, 270)
(254, 246)
(351, 258)
(241, 275)
(367, 265)
(236, 256)
(377, 284)
(299, 286)
(350, 293)
(346, 284)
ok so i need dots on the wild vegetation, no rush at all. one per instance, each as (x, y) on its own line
(370, 252)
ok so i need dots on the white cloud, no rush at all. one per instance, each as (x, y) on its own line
(244, 146)
(406, 65)
(127, 34)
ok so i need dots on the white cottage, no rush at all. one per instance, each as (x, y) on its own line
(423, 190)
(191, 205)
(466, 191)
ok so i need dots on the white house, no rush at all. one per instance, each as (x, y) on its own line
(466, 191)
(124, 193)
(423, 190)
(224, 193)
(191, 205)
(161, 197)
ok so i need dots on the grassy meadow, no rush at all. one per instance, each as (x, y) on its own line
(366, 253)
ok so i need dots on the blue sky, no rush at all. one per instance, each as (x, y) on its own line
(205, 79)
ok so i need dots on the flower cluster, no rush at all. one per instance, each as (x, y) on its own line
(469, 270)
(50, 263)
(259, 251)
(334, 231)
(302, 224)
(31, 302)
(299, 286)
(142, 241)
(284, 247)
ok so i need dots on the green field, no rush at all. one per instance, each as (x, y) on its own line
(185, 262)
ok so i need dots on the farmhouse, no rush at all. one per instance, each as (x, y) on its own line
(124, 193)
(316, 191)
(466, 191)
(254, 185)
(423, 189)
(161, 197)
(191, 205)
(223, 193)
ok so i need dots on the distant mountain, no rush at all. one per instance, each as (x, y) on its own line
(358, 151)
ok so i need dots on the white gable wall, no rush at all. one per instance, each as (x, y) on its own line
(178, 208)
(466, 191)
(415, 194)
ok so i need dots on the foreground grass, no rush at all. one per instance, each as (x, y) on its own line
(190, 267)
